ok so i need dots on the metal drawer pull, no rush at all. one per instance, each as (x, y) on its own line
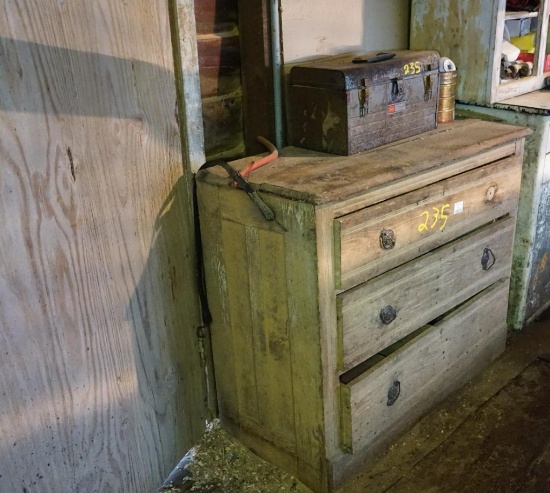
(491, 192)
(387, 239)
(388, 314)
(487, 259)
(394, 392)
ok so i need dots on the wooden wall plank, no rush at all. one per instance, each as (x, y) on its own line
(236, 76)
(189, 105)
(100, 378)
(220, 64)
(257, 73)
(223, 120)
(271, 338)
(215, 16)
(220, 75)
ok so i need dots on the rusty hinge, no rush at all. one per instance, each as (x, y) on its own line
(363, 95)
(207, 365)
(428, 86)
(396, 90)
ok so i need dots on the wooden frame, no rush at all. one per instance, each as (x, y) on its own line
(475, 46)
(536, 81)
(256, 73)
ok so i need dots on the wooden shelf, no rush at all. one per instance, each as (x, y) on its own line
(510, 16)
(476, 50)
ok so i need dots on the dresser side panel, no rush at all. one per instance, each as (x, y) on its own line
(262, 288)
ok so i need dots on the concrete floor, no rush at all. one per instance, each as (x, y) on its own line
(493, 435)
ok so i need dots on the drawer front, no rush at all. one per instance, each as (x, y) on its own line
(382, 402)
(385, 309)
(373, 240)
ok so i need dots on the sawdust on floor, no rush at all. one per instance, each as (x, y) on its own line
(221, 464)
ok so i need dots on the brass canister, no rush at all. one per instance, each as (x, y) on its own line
(447, 97)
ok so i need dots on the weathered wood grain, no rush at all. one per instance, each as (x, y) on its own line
(470, 32)
(220, 78)
(100, 379)
(427, 367)
(361, 180)
(262, 286)
(472, 44)
(220, 64)
(423, 219)
(275, 281)
(420, 291)
(214, 16)
(186, 65)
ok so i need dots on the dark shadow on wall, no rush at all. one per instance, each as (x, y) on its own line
(168, 360)
(220, 75)
(257, 73)
(58, 82)
(72, 82)
(386, 25)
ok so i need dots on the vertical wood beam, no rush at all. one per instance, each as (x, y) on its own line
(100, 374)
(186, 65)
(189, 115)
(258, 107)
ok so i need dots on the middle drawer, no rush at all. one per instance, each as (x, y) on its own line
(385, 309)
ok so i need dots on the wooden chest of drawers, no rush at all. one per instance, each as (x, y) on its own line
(381, 285)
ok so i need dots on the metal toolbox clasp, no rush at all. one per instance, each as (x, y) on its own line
(363, 95)
(396, 90)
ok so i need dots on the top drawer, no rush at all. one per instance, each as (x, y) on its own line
(373, 240)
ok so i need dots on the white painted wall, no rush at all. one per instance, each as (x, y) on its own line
(316, 28)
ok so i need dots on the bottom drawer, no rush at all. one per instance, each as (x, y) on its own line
(399, 384)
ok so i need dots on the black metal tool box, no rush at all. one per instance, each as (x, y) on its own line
(348, 103)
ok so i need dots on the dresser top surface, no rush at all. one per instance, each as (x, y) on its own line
(326, 178)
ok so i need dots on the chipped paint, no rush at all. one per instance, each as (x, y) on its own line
(540, 267)
(462, 31)
(529, 287)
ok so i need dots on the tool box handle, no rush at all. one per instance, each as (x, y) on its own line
(379, 57)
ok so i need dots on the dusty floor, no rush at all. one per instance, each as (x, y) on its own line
(493, 435)
(220, 464)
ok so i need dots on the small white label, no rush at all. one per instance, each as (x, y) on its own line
(459, 207)
(397, 107)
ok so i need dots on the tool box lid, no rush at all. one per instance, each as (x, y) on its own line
(345, 72)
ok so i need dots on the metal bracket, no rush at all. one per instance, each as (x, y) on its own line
(387, 239)
(363, 95)
(396, 91)
(428, 86)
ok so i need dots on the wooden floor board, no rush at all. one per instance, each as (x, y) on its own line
(494, 449)
(492, 435)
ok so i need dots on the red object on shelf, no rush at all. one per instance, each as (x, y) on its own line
(529, 5)
(530, 57)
